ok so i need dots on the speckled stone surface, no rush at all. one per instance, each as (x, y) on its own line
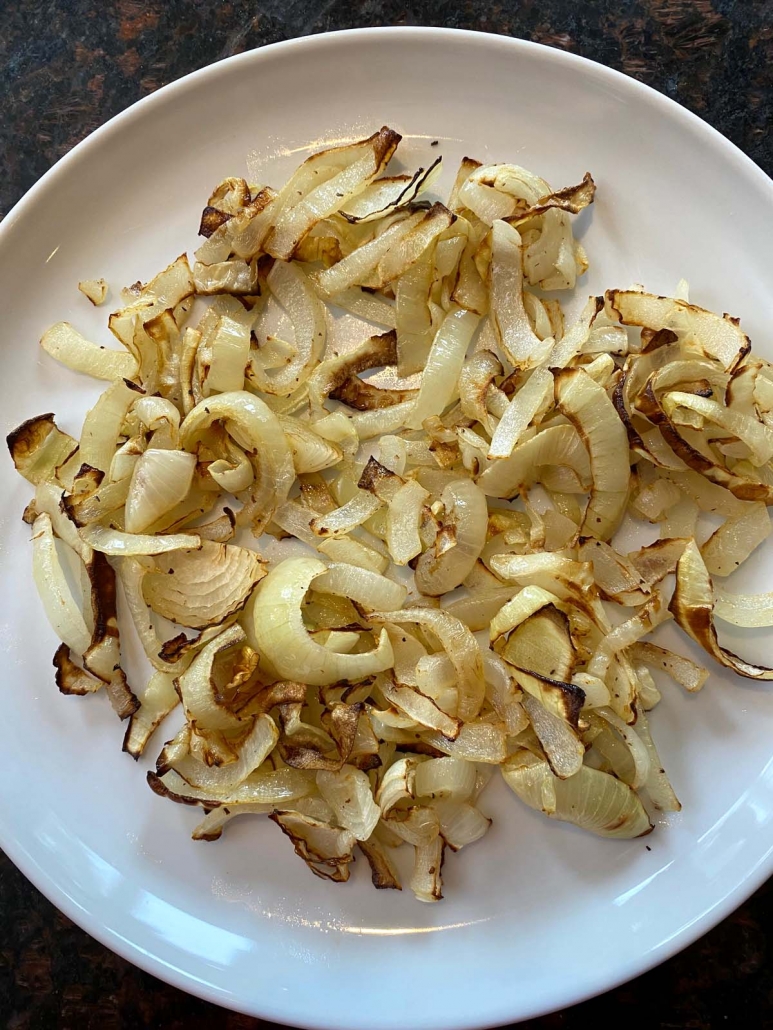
(66, 66)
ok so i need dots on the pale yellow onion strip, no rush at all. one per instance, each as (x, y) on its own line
(421, 708)
(342, 520)
(637, 748)
(252, 752)
(232, 276)
(102, 425)
(682, 670)
(235, 473)
(160, 480)
(445, 778)
(188, 381)
(465, 509)
(353, 552)
(651, 615)
(354, 268)
(337, 428)
(729, 546)
(370, 424)
(706, 495)
(397, 784)
(291, 405)
(483, 198)
(757, 436)
(245, 233)
(475, 380)
(48, 498)
(383, 196)
(292, 289)
(441, 372)
(361, 585)
(596, 691)
(460, 646)
(409, 249)
(419, 452)
(592, 800)
(393, 454)
(61, 609)
(211, 826)
(503, 694)
(131, 572)
(460, 822)
(526, 403)
(327, 850)
(94, 289)
(230, 351)
(418, 825)
(294, 222)
(311, 452)
(553, 572)
(170, 288)
(518, 341)
(483, 742)
(202, 588)
(278, 630)
(295, 519)
(564, 749)
(551, 260)
(95, 507)
(369, 306)
(576, 336)
(588, 407)
(160, 417)
(655, 500)
(158, 699)
(717, 336)
(318, 168)
(413, 318)
(114, 542)
(403, 518)
(615, 575)
(751, 611)
(435, 676)
(554, 446)
(525, 603)
(343, 641)
(272, 353)
(197, 687)
(263, 787)
(521, 183)
(658, 785)
(41, 451)
(65, 344)
(255, 428)
(426, 881)
(469, 289)
(407, 653)
(606, 339)
(538, 315)
(348, 792)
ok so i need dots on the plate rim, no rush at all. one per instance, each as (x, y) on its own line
(26, 862)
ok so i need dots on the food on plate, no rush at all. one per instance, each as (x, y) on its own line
(371, 566)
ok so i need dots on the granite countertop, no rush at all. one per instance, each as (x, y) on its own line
(66, 66)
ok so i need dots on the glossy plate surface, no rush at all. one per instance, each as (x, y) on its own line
(538, 915)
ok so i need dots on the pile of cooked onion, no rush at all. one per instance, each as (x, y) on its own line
(494, 455)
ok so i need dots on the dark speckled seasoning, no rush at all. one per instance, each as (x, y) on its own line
(66, 66)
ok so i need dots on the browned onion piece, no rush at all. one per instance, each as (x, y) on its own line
(693, 608)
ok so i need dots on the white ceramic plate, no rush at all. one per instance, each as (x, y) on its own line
(538, 915)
